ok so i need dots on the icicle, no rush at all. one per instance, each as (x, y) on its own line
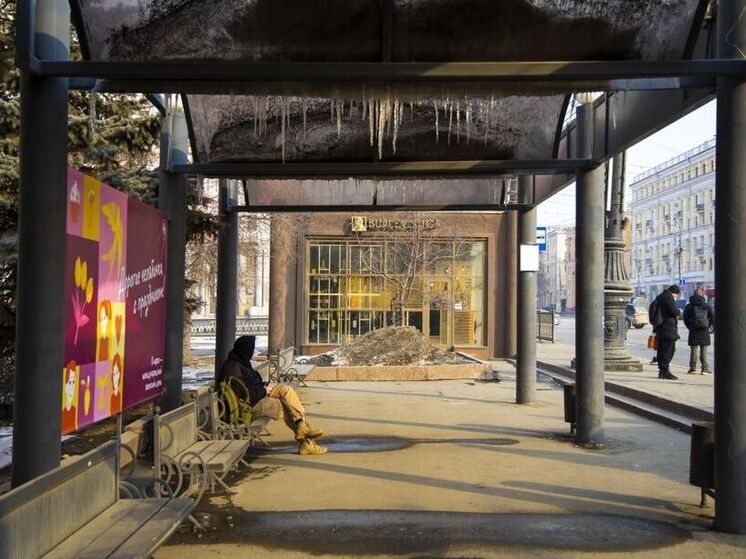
(331, 110)
(371, 116)
(458, 122)
(365, 109)
(437, 128)
(411, 111)
(468, 122)
(487, 119)
(256, 116)
(397, 113)
(450, 121)
(266, 114)
(340, 108)
(381, 126)
(303, 108)
(282, 126)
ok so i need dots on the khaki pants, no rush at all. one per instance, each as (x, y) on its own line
(702, 350)
(282, 402)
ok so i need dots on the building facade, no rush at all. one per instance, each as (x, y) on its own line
(552, 282)
(673, 217)
(451, 276)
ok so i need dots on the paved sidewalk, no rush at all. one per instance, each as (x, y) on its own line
(456, 469)
(694, 390)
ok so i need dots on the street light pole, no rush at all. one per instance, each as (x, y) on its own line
(617, 285)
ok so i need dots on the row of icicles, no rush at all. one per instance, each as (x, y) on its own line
(385, 116)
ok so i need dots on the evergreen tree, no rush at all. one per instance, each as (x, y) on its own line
(110, 136)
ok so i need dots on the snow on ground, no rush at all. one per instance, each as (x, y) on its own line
(5, 449)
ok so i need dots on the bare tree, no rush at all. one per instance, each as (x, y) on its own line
(412, 245)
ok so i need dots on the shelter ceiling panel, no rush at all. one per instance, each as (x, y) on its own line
(488, 193)
(417, 30)
(291, 129)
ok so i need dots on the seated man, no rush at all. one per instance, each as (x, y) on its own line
(279, 402)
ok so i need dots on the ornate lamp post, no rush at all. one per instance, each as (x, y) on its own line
(617, 284)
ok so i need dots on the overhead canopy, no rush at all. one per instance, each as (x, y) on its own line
(353, 122)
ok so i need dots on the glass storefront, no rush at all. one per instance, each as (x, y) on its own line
(355, 286)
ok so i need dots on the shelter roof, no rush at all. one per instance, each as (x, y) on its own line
(355, 121)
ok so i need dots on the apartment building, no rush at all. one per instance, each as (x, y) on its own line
(673, 223)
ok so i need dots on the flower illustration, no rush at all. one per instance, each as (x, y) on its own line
(82, 295)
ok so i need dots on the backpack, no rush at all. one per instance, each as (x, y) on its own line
(237, 409)
(700, 321)
(655, 316)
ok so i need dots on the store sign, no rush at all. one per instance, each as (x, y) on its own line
(362, 224)
(115, 278)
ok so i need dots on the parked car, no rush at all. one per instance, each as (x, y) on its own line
(636, 316)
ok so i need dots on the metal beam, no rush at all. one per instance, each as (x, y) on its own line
(383, 168)
(589, 254)
(730, 269)
(41, 248)
(308, 208)
(526, 365)
(624, 74)
(227, 281)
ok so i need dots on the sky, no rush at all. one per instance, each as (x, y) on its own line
(686, 133)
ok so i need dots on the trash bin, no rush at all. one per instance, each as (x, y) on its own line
(570, 395)
(702, 455)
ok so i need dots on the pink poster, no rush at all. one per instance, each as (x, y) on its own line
(114, 302)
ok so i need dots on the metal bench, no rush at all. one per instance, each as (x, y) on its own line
(289, 370)
(75, 511)
(179, 452)
(240, 430)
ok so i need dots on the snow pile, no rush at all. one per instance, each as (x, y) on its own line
(6, 452)
(394, 345)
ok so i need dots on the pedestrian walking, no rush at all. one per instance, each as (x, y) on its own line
(698, 318)
(664, 316)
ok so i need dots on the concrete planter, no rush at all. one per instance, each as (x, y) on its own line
(402, 372)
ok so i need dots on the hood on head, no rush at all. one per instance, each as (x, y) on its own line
(244, 347)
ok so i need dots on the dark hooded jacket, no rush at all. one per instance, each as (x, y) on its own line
(238, 365)
(669, 328)
(698, 336)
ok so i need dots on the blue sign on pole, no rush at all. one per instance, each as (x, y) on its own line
(541, 238)
(682, 282)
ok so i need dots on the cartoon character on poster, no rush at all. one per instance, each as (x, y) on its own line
(70, 378)
(91, 204)
(117, 381)
(102, 394)
(105, 326)
(86, 392)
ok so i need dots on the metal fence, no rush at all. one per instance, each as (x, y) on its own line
(545, 326)
(256, 325)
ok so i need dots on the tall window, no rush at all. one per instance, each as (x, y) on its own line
(353, 287)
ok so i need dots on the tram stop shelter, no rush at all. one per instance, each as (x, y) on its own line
(380, 105)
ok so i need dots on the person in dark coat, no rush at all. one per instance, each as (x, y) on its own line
(279, 402)
(667, 332)
(698, 318)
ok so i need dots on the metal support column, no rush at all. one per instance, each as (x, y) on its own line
(172, 196)
(730, 269)
(278, 288)
(37, 417)
(227, 299)
(526, 370)
(618, 287)
(589, 340)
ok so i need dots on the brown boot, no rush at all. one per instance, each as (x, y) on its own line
(311, 448)
(303, 431)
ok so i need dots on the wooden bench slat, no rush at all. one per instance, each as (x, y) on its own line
(105, 533)
(220, 455)
(156, 531)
